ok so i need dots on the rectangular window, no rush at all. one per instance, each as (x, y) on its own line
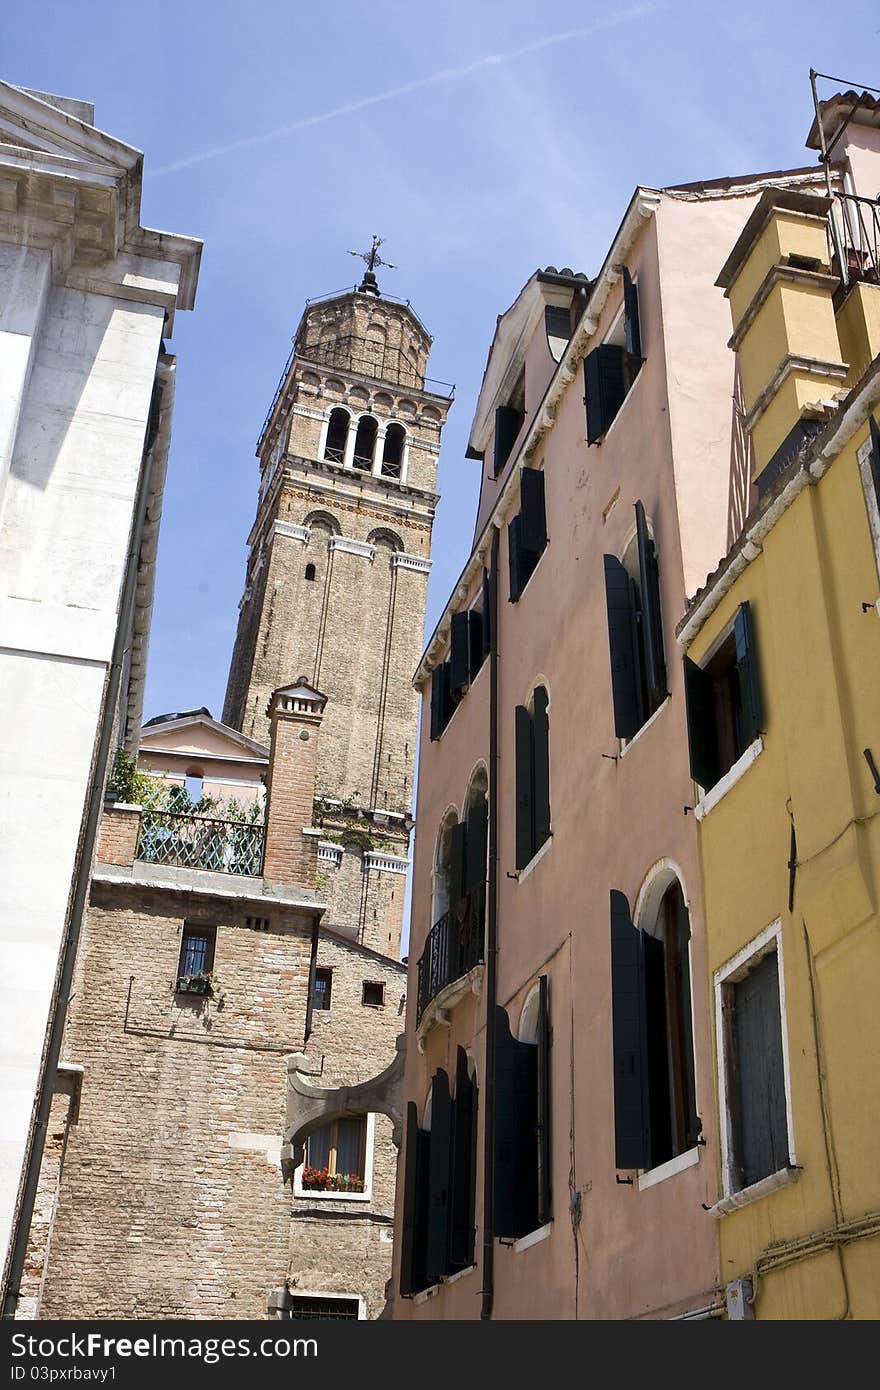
(753, 1064)
(323, 985)
(724, 704)
(196, 960)
(610, 370)
(532, 743)
(310, 1306)
(373, 993)
(527, 531)
(336, 1157)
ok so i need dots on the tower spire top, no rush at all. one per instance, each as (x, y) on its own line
(369, 284)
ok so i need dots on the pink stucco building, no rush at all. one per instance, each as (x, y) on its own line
(560, 1141)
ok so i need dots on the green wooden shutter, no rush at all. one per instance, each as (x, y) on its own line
(543, 1111)
(457, 862)
(477, 845)
(437, 702)
(702, 734)
(507, 426)
(524, 786)
(759, 1112)
(622, 648)
(652, 623)
(487, 614)
(749, 678)
(439, 1155)
(461, 1235)
(541, 766)
(631, 317)
(533, 515)
(459, 673)
(412, 1244)
(516, 1117)
(631, 1147)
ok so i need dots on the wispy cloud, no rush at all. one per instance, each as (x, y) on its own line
(434, 79)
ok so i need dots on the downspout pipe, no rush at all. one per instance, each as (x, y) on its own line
(488, 1289)
(82, 871)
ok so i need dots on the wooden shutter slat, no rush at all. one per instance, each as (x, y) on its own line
(533, 515)
(749, 679)
(652, 622)
(632, 328)
(543, 1103)
(439, 1156)
(702, 736)
(459, 667)
(524, 784)
(628, 1038)
(624, 669)
(541, 767)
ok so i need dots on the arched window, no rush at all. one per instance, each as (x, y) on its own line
(337, 433)
(310, 571)
(442, 866)
(532, 735)
(365, 443)
(392, 453)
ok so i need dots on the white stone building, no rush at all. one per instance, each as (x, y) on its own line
(87, 297)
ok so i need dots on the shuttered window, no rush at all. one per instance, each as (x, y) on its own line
(439, 1183)
(652, 1042)
(635, 633)
(724, 703)
(467, 648)
(414, 1227)
(464, 1167)
(522, 1194)
(527, 531)
(508, 423)
(443, 698)
(439, 1175)
(611, 368)
(756, 1074)
(532, 749)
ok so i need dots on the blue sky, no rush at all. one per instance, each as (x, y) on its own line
(507, 136)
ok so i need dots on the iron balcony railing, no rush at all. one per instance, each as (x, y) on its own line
(454, 946)
(858, 228)
(201, 842)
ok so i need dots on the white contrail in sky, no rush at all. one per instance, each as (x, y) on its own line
(434, 79)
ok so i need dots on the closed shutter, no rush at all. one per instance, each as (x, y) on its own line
(622, 647)
(461, 1238)
(631, 319)
(533, 516)
(605, 387)
(487, 610)
(437, 702)
(692, 1122)
(541, 764)
(457, 862)
(459, 674)
(412, 1243)
(543, 1112)
(702, 734)
(477, 845)
(439, 1164)
(652, 624)
(475, 642)
(507, 426)
(631, 1147)
(749, 679)
(656, 1051)
(524, 786)
(760, 1127)
(515, 558)
(516, 1116)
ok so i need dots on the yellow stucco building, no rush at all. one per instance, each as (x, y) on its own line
(782, 670)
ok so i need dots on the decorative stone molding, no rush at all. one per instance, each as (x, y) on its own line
(329, 852)
(410, 562)
(287, 528)
(437, 1013)
(309, 414)
(349, 546)
(388, 863)
(310, 1105)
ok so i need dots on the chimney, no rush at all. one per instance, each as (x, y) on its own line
(295, 713)
(781, 289)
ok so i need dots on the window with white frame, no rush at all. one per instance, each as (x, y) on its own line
(338, 1160)
(754, 1086)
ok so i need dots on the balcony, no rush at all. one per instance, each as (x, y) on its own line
(453, 949)
(189, 841)
(857, 229)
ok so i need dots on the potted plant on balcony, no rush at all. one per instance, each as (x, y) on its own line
(200, 982)
(315, 1179)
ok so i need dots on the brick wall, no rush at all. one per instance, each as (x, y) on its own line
(118, 833)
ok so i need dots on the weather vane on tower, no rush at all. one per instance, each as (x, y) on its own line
(369, 284)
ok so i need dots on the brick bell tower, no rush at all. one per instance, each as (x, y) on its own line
(337, 578)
